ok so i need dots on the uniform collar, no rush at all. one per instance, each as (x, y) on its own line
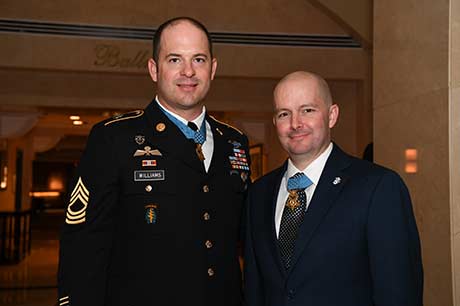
(198, 120)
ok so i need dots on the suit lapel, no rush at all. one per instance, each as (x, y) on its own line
(272, 197)
(331, 182)
(170, 140)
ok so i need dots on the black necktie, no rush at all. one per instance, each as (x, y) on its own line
(293, 213)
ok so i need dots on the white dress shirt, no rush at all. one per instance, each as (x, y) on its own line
(313, 172)
(208, 145)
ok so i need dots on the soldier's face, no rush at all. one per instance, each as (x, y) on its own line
(184, 69)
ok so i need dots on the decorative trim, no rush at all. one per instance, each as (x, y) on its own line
(136, 33)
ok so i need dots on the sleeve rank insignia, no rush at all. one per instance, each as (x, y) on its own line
(76, 211)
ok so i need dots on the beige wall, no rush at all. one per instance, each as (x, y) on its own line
(454, 127)
(412, 110)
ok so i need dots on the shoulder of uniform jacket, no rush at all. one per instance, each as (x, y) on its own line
(226, 125)
(123, 117)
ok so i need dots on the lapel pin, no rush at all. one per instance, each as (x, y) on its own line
(218, 131)
(337, 180)
(139, 139)
(160, 127)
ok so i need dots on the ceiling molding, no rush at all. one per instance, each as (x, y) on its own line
(112, 32)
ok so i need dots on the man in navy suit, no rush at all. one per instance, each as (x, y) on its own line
(327, 229)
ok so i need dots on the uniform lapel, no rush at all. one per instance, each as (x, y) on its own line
(331, 182)
(168, 139)
(221, 149)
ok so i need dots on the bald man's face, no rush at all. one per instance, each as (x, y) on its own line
(302, 119)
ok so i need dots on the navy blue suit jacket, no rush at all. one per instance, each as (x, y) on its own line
(357, 246)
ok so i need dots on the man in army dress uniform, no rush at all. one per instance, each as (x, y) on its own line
(154, 213)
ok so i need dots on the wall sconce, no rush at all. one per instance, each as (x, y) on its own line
(3, 165)
(411, 161)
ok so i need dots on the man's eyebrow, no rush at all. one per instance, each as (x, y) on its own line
(173, 54)
(277, 110)
(201, 54)
(308, 104)
(180, 55)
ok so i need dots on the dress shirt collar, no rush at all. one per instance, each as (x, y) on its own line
(313, 170)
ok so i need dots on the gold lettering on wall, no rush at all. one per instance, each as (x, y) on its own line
(111, 56)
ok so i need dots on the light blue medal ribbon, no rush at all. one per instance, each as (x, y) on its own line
(197, 136)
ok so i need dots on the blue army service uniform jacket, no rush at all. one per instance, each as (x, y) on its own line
(358, 244)
(146, 225)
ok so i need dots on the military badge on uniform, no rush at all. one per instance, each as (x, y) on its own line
(234, 143)
(239, 160)
(147, 152)
(151, 213)
(160, 127)
(149, 163)
(139, 139)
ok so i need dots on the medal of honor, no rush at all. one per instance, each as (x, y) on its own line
(293, 200)
(199, 151)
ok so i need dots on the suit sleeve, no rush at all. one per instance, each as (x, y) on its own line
(87, 234)
(394, 245)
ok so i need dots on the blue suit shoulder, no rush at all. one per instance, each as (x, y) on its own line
(371, 171)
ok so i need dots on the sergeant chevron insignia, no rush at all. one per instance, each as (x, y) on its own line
(64, 301)
(79, 198)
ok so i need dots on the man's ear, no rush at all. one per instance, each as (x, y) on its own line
(333, 115)
(213, 67)
(153, 70)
